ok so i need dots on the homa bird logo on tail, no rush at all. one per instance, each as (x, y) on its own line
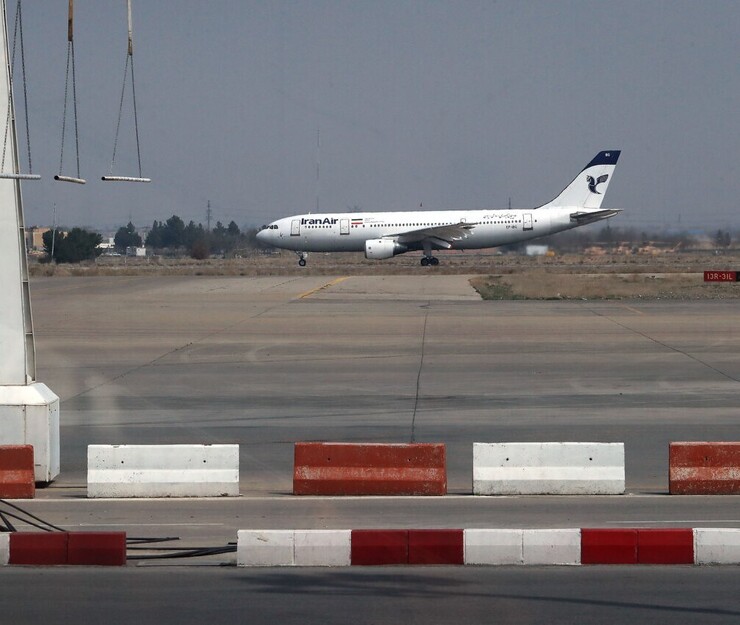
(595, 182)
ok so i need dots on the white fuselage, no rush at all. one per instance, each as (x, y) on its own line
(348, 232)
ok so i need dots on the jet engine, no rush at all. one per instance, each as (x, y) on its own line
(378, 249)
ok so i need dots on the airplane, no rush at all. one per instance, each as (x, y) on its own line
(383, 235)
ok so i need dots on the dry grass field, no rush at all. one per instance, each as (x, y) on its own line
(495, 276)
(538, 284)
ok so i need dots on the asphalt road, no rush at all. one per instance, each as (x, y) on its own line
(428, 595)
(265, 362)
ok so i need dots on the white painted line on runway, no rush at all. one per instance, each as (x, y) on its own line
(289, 497)
(133, 500)
(103, 524)
(673, 521)
(147, 524)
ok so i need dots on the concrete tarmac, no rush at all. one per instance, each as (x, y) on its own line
(265, 362)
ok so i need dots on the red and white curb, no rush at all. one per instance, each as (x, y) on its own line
(493, 547)
(53, 548)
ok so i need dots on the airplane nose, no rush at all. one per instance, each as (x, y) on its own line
(262, 236)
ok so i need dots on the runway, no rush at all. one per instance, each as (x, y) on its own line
(266, 362)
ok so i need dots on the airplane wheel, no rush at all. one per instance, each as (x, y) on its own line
(424, 261)
(434, 261)
(302, 262)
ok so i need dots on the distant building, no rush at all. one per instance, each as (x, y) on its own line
(35, 238)
(107, 244)
(136, 251)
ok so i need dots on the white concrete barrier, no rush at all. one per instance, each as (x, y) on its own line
(529, 547)
(548, 468)
(716, 546)
(162, 470)
(493, 546)
(29, 415)
(265, 548)
(4, 548)
(322, 547)
(560, 546)
(293, 547)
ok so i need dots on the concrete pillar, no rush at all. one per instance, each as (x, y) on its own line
(29, 411)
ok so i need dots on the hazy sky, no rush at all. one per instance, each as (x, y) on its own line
(447, 104)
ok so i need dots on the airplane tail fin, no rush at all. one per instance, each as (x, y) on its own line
(588, 188)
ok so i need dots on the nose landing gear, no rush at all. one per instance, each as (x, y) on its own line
(302, 257)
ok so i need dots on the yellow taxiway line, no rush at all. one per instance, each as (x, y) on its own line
(322, 287)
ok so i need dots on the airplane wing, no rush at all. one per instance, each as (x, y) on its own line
(442, 236)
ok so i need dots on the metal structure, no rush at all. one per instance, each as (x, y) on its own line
(17, 38)
(129, 64)
(29, 411)
(78, 179)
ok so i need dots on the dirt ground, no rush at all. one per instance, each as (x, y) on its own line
(495, 276)
(538, 284)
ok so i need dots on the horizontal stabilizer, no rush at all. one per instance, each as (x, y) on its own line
(587, 217)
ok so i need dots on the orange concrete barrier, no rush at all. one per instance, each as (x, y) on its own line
(16, 472)
(369, 469)
(704, 468)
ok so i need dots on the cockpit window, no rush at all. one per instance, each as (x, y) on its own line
(268, 227)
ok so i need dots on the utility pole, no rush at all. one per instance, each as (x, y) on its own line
(53, 232)
(208, 216)
(318, 162)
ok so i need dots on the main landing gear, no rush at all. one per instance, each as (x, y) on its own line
(302, 257)
(428, 259)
